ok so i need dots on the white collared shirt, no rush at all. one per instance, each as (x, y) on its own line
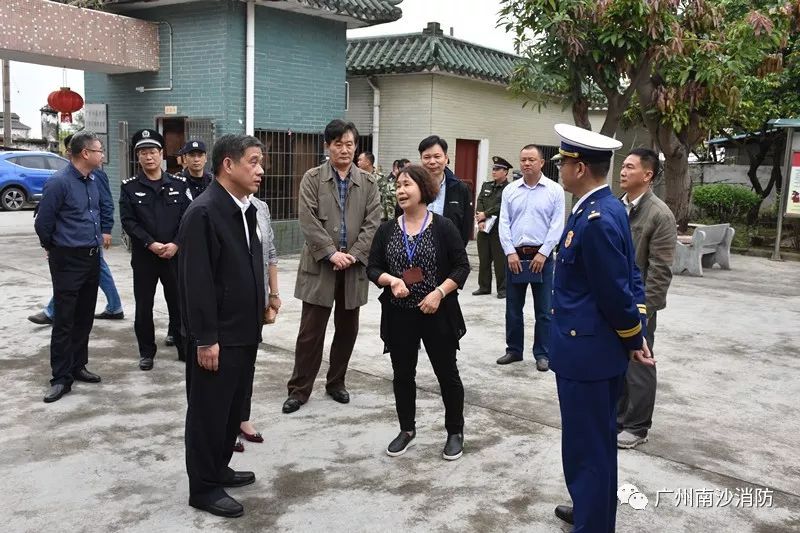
(531, 215)
(630, 205)
(243, 204)
(585, 196)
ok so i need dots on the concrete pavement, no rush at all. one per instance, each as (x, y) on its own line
(110, 456)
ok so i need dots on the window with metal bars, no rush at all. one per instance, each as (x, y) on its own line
(288, 156)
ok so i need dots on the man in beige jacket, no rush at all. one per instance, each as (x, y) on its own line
(654, 237)
(339, 210)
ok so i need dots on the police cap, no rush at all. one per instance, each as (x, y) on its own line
(499, 162)
(193, 146)
(147, 139)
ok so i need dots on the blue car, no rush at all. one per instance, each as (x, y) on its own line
(22, 176)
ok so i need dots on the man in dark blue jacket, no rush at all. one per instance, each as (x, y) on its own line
(70, 224)
(598, 325)
(113, 310)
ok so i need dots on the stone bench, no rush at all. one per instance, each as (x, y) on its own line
(707, 246)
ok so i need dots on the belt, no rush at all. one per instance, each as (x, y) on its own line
(89, 252)
(528, 250)
(343, 249)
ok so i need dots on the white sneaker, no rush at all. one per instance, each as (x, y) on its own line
(627, 440)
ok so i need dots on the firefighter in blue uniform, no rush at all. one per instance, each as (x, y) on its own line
(195, 158)
(598, 326)
(151, 205)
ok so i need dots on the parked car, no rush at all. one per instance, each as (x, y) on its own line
(22, 176)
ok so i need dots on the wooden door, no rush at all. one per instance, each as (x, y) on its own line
(467, 165)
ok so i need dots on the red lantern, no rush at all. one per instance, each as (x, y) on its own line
(65, 101)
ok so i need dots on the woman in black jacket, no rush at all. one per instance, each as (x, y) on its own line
(421, 262)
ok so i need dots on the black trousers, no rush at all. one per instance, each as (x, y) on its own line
(148, 270)
(490, 253)
(213, 416)
(638, 399)
(408, 327)
(76, 277)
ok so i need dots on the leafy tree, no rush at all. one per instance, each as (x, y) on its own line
(681, 59)
(766, 96)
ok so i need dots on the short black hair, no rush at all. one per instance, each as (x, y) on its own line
(67, 140)
(80, 141)
(429, 142)
(232, 146)
(428, 188)
(533, 147)
(599, 169)
(338, 127)
(370, 156)
(402, 162)
(648, 158)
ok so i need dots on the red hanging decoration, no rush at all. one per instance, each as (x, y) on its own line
(66, 102)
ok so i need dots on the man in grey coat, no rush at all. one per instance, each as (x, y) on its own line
(654, 237)
(339, 211)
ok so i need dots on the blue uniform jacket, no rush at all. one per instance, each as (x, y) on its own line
(598, 295)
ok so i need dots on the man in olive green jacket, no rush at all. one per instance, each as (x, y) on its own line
(339, 211)
(654, 237)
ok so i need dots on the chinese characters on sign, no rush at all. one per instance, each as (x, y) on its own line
(744, 497)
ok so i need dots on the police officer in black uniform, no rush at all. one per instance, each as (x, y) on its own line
(195, 159)
(151, 205)
(489, 248)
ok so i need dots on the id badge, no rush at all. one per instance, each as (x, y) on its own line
(412, 275)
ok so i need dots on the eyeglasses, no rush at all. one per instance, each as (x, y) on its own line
(561, 162)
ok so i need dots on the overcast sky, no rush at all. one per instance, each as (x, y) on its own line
(471, 20)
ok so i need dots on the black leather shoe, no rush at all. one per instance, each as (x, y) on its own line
(169, 340)
(454, 447)
(105, 315)
(509, 358)
(401, 444)
(341, 396)
(240, 479)
(56, 392)
(224, 506)
(501, 295)
(481, 292)
(40, 318)
(564, 512)
(542, 365)
(86, 376)
(146, 363)
(291, 405)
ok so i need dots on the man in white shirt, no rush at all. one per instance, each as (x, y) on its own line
(531, 222)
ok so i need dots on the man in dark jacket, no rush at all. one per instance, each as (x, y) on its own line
(454, 200)
(221, 285)
(654, 238)
(151, 205)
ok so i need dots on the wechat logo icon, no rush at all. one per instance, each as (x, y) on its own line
(629, 494)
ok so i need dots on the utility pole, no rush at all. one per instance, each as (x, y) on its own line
(6, 104)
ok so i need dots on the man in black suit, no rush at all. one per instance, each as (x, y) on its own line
(221, 281)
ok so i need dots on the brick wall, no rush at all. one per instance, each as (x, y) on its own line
(208, 63)
(300, 74)
(300, 70)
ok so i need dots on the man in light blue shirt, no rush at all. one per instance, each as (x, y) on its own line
(531, 222)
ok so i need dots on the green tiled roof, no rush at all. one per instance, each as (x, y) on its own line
(370, 11)
(363, 12)
(429, 51)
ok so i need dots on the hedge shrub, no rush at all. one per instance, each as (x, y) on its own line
(724, 202)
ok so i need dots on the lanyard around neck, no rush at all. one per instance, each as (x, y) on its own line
(411, 250)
